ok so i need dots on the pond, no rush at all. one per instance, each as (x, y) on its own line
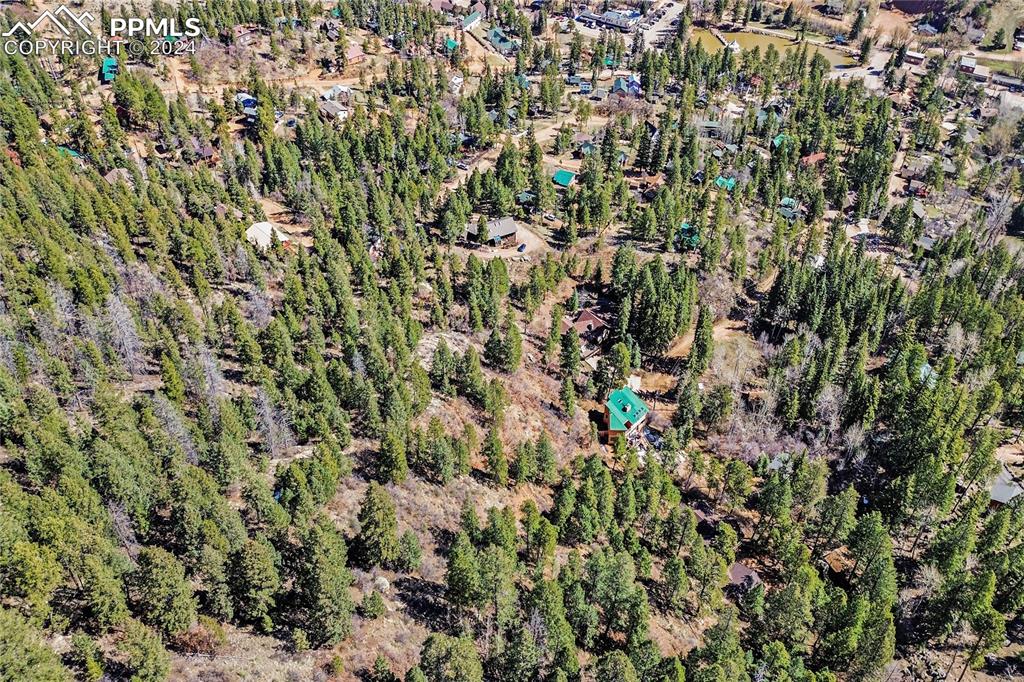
(748, 41)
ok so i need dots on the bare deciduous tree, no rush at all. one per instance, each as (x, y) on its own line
(167, 413)
(273, 425)
(122, 527)
(123, 335)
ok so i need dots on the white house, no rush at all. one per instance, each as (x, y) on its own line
(261, 235)
(337, 93)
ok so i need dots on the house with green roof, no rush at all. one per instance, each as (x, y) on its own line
(450, 46)
(470, 21)
(624, 413)
(789, 208)
(501, 42)
(109, 70)
(587, 148)
(728, 184)
(688, 236)
(563, 178)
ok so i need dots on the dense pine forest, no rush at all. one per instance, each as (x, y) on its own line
(205, 443)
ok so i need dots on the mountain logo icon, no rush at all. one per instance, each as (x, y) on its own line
(62, 18)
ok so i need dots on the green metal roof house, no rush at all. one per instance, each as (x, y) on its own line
(450, 46)
(109, 69)
(689, 236)
(471, 21)
(563, 178)
(501, 42)
(779, 139)
(624, 413)
(728, 184)
(789, 208)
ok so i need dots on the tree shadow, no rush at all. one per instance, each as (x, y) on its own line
(424, 602)
(444, 538)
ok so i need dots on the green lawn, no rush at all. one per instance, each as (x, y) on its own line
(997, 66)
(1008, 15)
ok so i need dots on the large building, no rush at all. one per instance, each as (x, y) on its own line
(624, 21)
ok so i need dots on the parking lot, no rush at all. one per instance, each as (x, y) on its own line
(663, 26)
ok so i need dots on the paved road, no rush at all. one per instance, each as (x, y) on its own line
(871, 73)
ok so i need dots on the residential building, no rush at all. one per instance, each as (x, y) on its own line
(333, 111)
(625, 414)
(914, 58)
(501, 42)
(354, 55)
(919, 6)
(109, 70)
(836, 8)
(262, 235)
(502, 231)
(563, 178)
(1004, 488)
(742, 578)
(337, 93)
(588, 325)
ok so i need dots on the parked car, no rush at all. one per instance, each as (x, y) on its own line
(461, 165)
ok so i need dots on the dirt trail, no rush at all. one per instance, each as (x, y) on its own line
(723, 329)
